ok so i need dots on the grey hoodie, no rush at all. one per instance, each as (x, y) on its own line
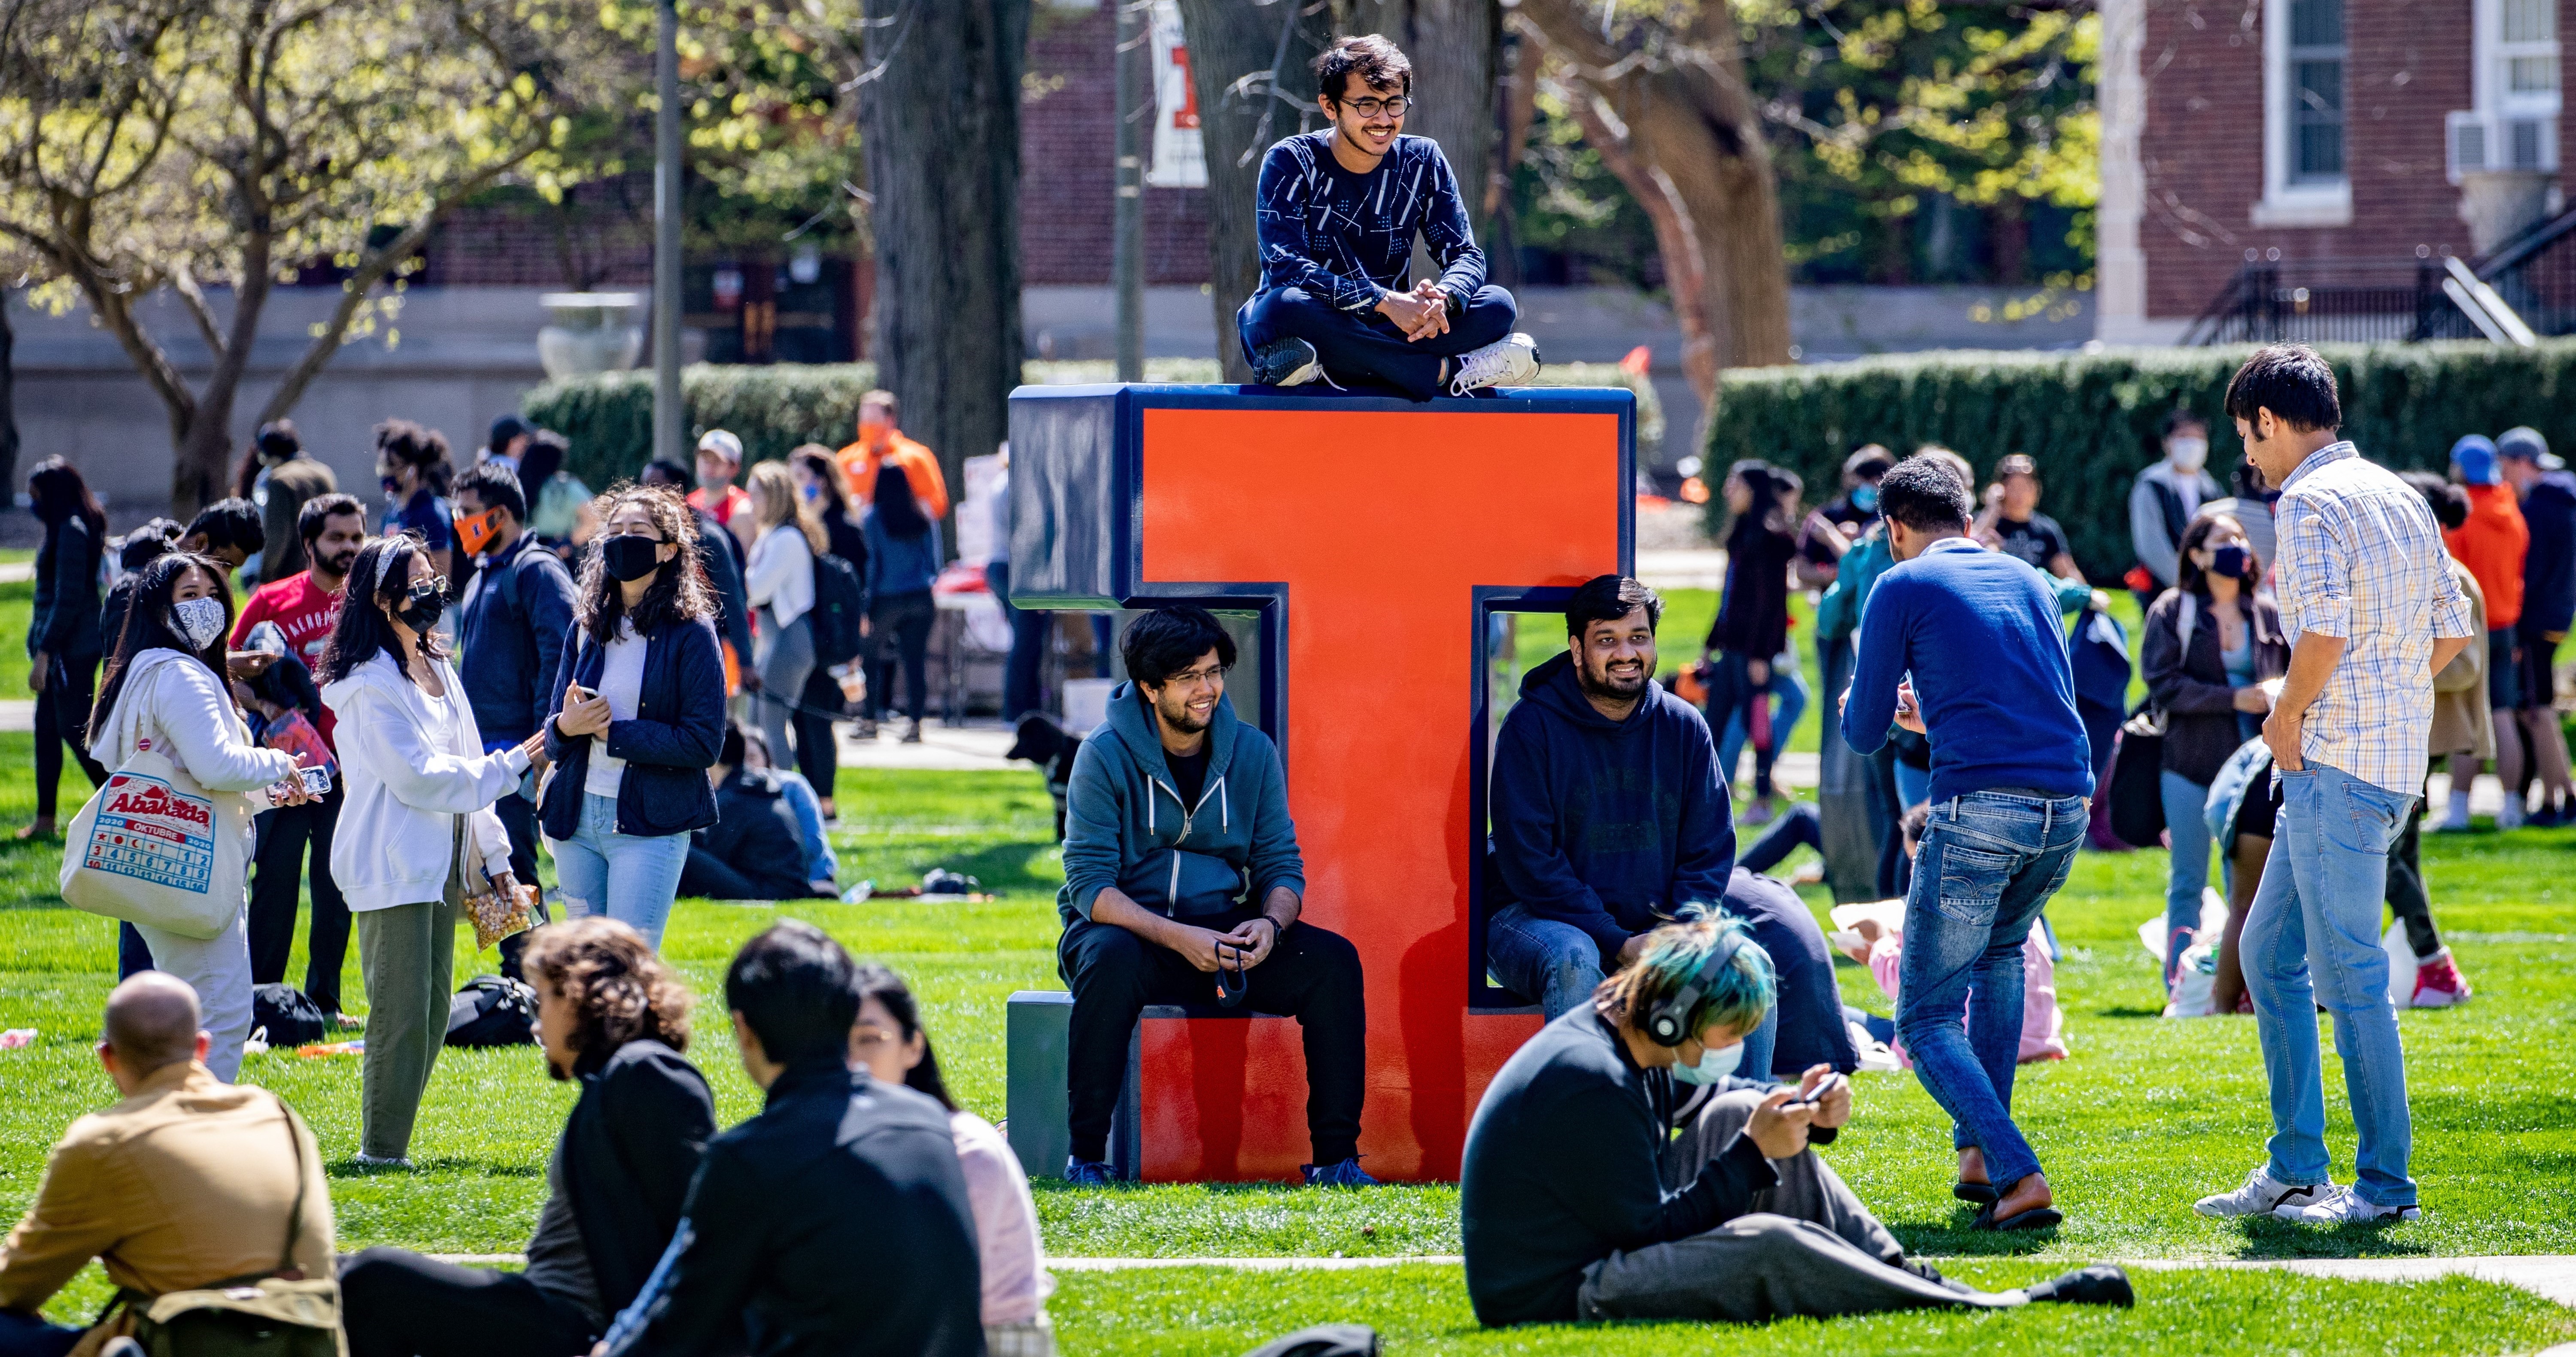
(1125, 825)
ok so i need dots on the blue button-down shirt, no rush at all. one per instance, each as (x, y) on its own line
(2362, 560)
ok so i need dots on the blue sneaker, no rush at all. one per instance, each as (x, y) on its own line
(1087, 1173)
(1344, 1174)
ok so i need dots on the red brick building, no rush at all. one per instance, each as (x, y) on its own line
(2343, 138)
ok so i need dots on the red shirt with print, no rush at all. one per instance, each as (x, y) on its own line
(305, 614)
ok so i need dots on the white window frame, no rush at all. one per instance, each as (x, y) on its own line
(2496, 109)
(2317, 202)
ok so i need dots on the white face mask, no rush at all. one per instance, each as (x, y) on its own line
(2187, 454)
(1715, 1063)
(201, 620)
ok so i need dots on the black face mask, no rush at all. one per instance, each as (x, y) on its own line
(630, 556)
(2234, 562)
(423, 607)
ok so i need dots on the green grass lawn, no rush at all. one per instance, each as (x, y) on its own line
(2147, 1115)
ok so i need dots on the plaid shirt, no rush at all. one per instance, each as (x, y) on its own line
(2362, 559)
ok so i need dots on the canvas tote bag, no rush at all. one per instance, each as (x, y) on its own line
(152, 847)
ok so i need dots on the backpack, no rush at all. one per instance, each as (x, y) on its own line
(839, 603)
(290, 1018)
(492, 1011)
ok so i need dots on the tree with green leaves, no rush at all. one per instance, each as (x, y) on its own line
(214, 147)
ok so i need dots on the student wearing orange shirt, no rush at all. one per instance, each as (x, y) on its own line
(2492, 544)
(879, 442)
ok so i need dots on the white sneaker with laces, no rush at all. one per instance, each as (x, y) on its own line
(1511, 360)
(2263, 1196)
(2346, 1207)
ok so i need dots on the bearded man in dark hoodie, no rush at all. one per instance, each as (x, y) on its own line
(1183, 885)
(1607, 810)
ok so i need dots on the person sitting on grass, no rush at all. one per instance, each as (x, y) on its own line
(614, 1018)
(822, 865)
(836, 1221)
(756, 848)
(189, 1182)
(1149, 921)
(888, 1042)
(1563, 1198)
(1337, 213)
(1607, 805)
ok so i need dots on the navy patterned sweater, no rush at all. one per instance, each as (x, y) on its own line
(1343, 237)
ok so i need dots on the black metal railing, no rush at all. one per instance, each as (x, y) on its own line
(2535, 273)
(2312, 301)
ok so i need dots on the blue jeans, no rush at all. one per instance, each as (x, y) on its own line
(1733, 729)
(2312, 937)
(1989, 861)
(631, 878)
(1556, 964)
(2187, 827)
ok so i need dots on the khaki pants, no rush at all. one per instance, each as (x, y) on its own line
(408, 956)
(1808, 1247)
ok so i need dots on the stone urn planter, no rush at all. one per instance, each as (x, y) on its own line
(592, 332)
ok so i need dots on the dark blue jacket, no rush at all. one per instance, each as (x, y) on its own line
(1810, 998)
(677, 731)
(511, 636)
(1606, 825)
(2549, 569)
(1979, 633)
(65, 622)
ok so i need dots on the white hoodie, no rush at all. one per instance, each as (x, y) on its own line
(173, 701)
(407, 776)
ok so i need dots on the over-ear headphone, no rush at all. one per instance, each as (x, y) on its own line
(1664, 1020)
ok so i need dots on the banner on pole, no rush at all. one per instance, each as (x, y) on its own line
(1178, 160)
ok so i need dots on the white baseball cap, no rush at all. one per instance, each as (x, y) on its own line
(721, 443)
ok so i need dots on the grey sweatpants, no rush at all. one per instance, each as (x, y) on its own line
(407, 954)
(1808, 1247)
(785, 659)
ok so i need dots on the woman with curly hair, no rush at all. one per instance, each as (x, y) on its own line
(639, 715)
(613, 1018)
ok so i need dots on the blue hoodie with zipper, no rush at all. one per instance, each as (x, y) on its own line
(1126, 826)
(1606, 825)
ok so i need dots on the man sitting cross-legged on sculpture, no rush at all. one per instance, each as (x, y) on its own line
(1337, 215)
(1608, 812)
(1577, 1202)
(1182, 885)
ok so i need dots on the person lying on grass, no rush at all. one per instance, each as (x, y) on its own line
(1567, 1198)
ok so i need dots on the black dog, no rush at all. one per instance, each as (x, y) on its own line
(1050, 746)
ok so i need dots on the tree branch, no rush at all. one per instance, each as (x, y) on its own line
(183, 280)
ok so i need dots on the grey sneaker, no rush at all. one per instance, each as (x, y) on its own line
(2343, 1206)
(2263, 1196)
(1286, 362)
(1511, 360)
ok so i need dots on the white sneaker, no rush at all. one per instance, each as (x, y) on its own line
(2510, 814)
(2261, 1196)
(1512, 359)
(2457, 820)
(2344, 1206)
(371, 1161)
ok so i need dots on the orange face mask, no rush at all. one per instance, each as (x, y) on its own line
(476, 532)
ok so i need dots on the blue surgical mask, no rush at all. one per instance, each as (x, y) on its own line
(1715, 1063)
(1865, 498)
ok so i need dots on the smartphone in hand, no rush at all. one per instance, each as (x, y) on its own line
(1817, 1094)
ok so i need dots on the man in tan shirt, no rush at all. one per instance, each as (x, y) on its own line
(186, 1182)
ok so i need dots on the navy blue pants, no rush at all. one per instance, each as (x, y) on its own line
(1363, 348)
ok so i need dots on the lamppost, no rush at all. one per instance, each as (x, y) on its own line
(1128, 241)
(670, 431)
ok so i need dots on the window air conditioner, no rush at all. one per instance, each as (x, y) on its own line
(2481, 141)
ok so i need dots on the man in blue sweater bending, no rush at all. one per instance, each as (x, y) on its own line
(1338, 212)
(1962, 645)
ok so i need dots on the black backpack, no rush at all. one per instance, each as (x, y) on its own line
(492, 1011)
(291, 1019)
(839, 602)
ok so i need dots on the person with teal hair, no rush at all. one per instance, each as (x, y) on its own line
(1565, 1197)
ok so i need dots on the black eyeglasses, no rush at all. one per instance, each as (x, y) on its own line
(1370, 108)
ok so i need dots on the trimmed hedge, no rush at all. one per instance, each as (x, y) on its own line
(608, 418)
(2089, 419)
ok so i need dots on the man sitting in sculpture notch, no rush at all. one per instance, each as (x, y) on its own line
(1337, 214)
(1167, 901)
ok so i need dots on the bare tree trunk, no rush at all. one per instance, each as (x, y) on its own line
(1456, 48)
(8, 396)
(941, 120)
(1679, 117)
(1235, 47)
